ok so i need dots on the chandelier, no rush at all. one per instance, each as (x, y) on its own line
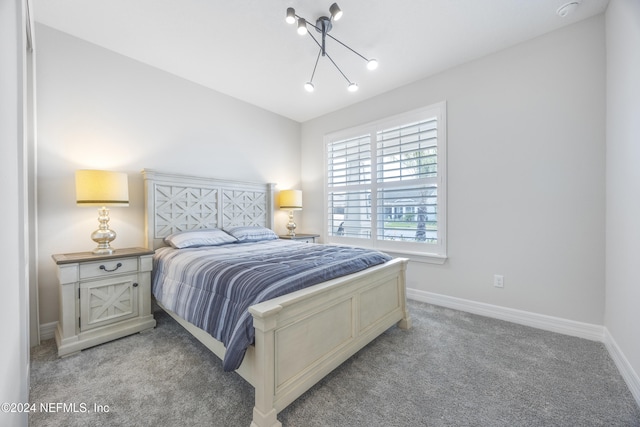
(323, 26)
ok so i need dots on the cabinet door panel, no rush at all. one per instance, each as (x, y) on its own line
(107, 301)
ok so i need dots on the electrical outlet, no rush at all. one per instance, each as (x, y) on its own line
(498, 280)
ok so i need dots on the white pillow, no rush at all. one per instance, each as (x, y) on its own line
(251, 233)
(197, 238)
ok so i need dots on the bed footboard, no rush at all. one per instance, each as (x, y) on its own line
(303, 336)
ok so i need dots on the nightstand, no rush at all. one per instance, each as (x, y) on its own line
(309, 238)
(102, 297)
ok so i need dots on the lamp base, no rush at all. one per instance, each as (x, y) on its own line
(99, 250)
(291, 226)
(103, 236)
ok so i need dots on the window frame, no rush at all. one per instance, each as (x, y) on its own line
(423, 252)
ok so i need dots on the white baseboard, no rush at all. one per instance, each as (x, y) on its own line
(540, 321)
(623, 365)
(48, 330)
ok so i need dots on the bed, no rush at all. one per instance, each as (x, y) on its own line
(299, 337)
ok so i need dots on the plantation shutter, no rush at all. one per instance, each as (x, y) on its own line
(349, 193)
(407, 166)
(386, 184)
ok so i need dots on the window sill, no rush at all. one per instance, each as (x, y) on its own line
(393, 250)
(419, 256)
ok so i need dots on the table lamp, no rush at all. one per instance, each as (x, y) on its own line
(102, 188)
(291, 200)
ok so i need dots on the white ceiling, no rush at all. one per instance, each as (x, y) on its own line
(245, 49)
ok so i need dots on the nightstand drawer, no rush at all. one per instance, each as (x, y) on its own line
(306, 239)
(108, 267)
(301, 237)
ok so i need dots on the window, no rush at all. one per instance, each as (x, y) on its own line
(386, 186)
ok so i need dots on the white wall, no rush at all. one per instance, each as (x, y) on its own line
(14, 357)
(623, 180)
(98, 109)
(526, 149)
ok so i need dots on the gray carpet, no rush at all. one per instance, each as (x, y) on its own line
(451, 369)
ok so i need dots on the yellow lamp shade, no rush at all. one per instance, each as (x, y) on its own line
(101, 188)
(291, 199)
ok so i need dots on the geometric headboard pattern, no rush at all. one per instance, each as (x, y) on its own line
(181, 202)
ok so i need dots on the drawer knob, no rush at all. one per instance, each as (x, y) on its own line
(118, 265)
(135, 285)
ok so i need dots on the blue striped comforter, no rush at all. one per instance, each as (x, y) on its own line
(212, 287)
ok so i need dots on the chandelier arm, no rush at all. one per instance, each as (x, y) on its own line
(336, 65)
(315, 66)
(330, 59)
(352, 50)
(314, 39)
(327, 34)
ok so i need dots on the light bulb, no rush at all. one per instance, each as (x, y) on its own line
(335, 11)
(308, 86)
(302, 26)
(372, 64)
(291, 15)
(352, 87)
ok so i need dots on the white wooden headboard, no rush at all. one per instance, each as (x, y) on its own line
(180, 202)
